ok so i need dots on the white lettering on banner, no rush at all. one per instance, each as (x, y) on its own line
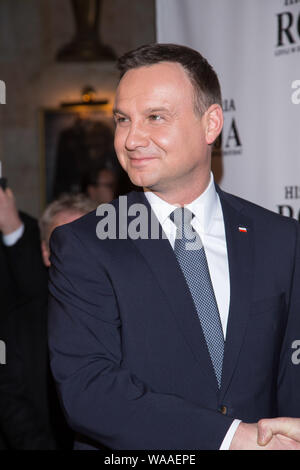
(296, 94)
(2, 92)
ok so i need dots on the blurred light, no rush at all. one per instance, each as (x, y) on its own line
(88, 98)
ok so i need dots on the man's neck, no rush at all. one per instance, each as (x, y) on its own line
(184, 195)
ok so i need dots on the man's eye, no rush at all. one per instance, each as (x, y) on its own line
(155, 117)
(120, 120)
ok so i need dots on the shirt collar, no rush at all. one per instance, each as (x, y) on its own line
(203, 207)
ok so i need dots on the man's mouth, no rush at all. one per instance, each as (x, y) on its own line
(139, 161)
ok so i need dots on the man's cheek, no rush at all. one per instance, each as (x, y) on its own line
(119, 144)
(163, 140)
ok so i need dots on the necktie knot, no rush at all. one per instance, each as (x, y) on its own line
(181, 217)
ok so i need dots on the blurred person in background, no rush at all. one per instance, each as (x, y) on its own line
(19, 248)
(100, 184)
(30, 414)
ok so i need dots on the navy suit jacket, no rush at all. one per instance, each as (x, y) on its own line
(127, 350)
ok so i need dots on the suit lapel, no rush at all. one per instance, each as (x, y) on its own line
(162, 261)
(240, 258)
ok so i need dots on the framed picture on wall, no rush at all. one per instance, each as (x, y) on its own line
(74, 140)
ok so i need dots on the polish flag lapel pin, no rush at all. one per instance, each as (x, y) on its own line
(243, 229)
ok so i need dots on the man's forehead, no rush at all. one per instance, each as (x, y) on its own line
(154, 100)
(158, 71)
(156, 82)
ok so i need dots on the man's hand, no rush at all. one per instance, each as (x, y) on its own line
(268, 428)
(247, 438)
(9, 217)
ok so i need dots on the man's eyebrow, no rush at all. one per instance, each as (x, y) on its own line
(146, 111)
(156, 110)
(118, 111)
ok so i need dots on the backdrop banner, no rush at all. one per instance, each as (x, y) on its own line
(254, 46)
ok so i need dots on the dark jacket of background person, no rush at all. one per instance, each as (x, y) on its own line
(30, 415)
(22, 273)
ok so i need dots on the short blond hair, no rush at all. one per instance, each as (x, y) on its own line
(65, 203)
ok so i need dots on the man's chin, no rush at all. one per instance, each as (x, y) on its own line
(143, 181)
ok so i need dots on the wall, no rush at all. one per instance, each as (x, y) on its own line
(31, 32)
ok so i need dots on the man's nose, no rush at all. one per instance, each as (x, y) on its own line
(137, 137)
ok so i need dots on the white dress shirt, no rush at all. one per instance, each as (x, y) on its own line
(208, 222)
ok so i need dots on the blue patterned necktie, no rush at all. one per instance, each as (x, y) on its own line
(191, 256)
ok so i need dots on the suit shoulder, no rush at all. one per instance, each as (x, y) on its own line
(83, 225)
(84, 228)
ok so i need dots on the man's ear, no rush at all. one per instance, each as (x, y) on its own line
(45, 254)
(214, 123)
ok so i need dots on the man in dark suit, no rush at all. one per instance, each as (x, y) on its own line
(21, 291)
(173, 311)
(30, 415)
(19, 248)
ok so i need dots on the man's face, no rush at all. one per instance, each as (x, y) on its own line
(104, 190)
(159, 140)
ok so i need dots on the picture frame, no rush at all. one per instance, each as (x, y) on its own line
(73, 139)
